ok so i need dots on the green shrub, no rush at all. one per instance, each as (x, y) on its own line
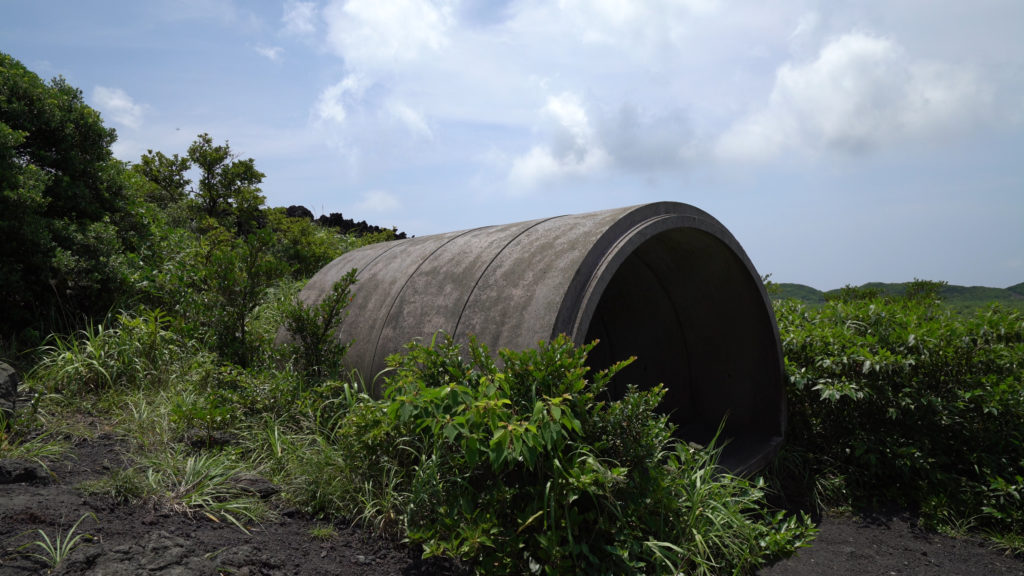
(909, 403)
(305, 246)
(524, 469)
(317, 349)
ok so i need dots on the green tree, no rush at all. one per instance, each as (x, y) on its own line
(238, 272)
(167, 174)
(62, 200)
(227, 191)
(304, 245)
(850, 293)
(924, 290)
(228, 187)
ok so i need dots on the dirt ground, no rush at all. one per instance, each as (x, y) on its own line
(132, 540)
(882, 545)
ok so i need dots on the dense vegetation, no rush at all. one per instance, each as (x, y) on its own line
(904, 401)
(135, 295)
(150, 301)
(66, 218)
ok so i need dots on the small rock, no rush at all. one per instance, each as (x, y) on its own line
(156, 553)
(244, 556)
(9, 381)
(14, 471)
(256, 484)
(200, 439)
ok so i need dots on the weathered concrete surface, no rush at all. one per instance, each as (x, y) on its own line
(665, 282)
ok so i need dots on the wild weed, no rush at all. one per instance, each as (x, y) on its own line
(83, 362)
(323, 532)
(37, 447)
(122, 485)
(144, 418)
(56, 550)
(381, 503)
(202, 483)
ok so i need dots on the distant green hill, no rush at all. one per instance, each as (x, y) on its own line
(959, 297)
(803, 292)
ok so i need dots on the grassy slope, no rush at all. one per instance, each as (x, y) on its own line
(800, 292)
(959, 297)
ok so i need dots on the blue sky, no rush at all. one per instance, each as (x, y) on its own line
(839, 142)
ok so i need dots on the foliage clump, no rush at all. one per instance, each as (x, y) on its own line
(525, 469)
(902, 401)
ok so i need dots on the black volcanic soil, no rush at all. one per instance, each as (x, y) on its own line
(132, 540)
(890, 544)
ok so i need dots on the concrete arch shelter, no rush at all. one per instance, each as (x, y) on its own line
(665, 282)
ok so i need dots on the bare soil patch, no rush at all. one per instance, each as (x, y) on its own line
(891, 544)
(131, 540)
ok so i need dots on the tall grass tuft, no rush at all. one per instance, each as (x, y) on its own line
(202, 483)
(56, 550)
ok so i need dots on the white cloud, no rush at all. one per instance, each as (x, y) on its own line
(118, 106)
(333, 101)
(409, 118)
(861, 92)
(272, 53)
(378, 201)
(347, 103)
(641, 140)
(381, 33)
(299, 18)
(574, 148)
(574, 136)
(806, 28)
(582, 142)
(637, 27)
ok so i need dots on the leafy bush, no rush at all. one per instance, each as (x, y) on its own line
(524, 469)
(305, 246)
(317, 349)
(910, 403)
